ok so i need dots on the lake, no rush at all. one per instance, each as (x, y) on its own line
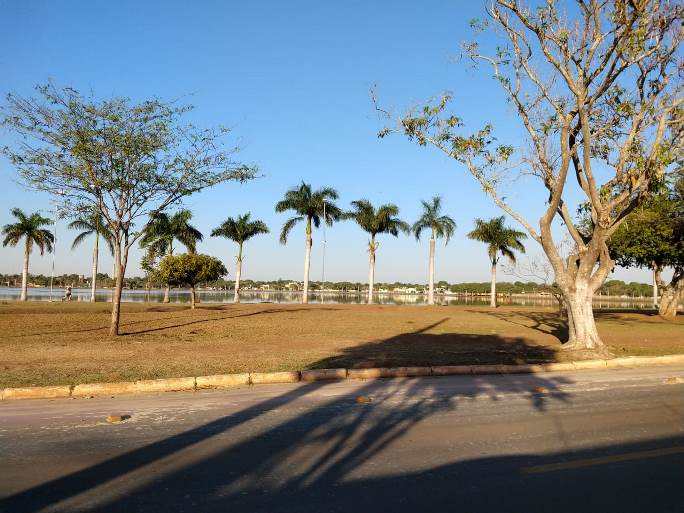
(226, 296)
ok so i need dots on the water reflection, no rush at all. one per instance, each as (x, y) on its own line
(281, 297)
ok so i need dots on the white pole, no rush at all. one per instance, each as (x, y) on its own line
(324, 244)
(54, 250)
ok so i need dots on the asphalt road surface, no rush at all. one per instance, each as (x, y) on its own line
(577, 442)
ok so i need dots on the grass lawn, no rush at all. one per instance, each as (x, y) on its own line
(66, 343)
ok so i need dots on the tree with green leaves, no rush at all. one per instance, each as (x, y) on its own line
(374, 221)
(499, 239)
(163, 229)
(597, 89)
(652, 236)
(190, 269)
(239, 230)
(310, 207)
(95, 225)
(440, 226)
(126, 160)
(30, 228)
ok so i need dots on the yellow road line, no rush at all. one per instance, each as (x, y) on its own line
(617, 458)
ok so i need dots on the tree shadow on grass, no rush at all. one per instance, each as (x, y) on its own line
(549, 323)
(419, 348)
(127, 324)
(258, 460)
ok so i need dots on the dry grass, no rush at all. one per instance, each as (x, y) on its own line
(65, 343)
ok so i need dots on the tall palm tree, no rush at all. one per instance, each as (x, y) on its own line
(440, 226)
(30, 228)
(382, 220)
(239, 230)
(93, 224)
(164, 229)
(310, 206)
(499, 239)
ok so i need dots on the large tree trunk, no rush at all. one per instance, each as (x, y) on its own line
(24, 272)
(582, 332)
(672, 294)
(166, 299)
(93, 284)
(431, 272)
(371, 269)
(192, 297)
(238, 271)
(307, 262)
(120, 263)
(492, 289)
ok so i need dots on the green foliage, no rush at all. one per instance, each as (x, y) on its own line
(190, 269)
(440, 225)
(92, 224)
(28, 227)
(384, 219)
(498, 237)
(310, 206)
(240, 229)
(654, 232)
(163, 229)
(126, 160)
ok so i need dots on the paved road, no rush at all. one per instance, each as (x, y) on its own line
(586, 441)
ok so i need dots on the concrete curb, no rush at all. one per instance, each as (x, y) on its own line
(259, 378)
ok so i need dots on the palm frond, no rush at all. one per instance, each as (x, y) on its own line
(80, 238)
(287, 227)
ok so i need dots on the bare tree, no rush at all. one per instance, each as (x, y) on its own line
(600, 100)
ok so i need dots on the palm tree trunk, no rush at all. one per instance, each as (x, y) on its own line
(238, 271)
(93, 285)
(492, 290)
(24, 272)
(371, 269)
(307, 262)
(431, 278)
(192, 297)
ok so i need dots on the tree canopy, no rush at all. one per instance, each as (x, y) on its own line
(240, 229)
(439, 225)
(384, 219)
(309, 206)
(30, 228)
(498, 237)
(653, 235)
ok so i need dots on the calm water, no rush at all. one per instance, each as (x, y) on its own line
(218, 296)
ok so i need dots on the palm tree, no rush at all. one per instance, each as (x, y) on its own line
(30, 228)
(93, 224)
(239, 230)
(499, 239)
(309, 206)
(164, 229)
(382, 220)
(440, 226)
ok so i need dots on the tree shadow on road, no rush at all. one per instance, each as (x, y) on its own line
(328, 436)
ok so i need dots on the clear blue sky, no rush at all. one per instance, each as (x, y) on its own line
(292, 79)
